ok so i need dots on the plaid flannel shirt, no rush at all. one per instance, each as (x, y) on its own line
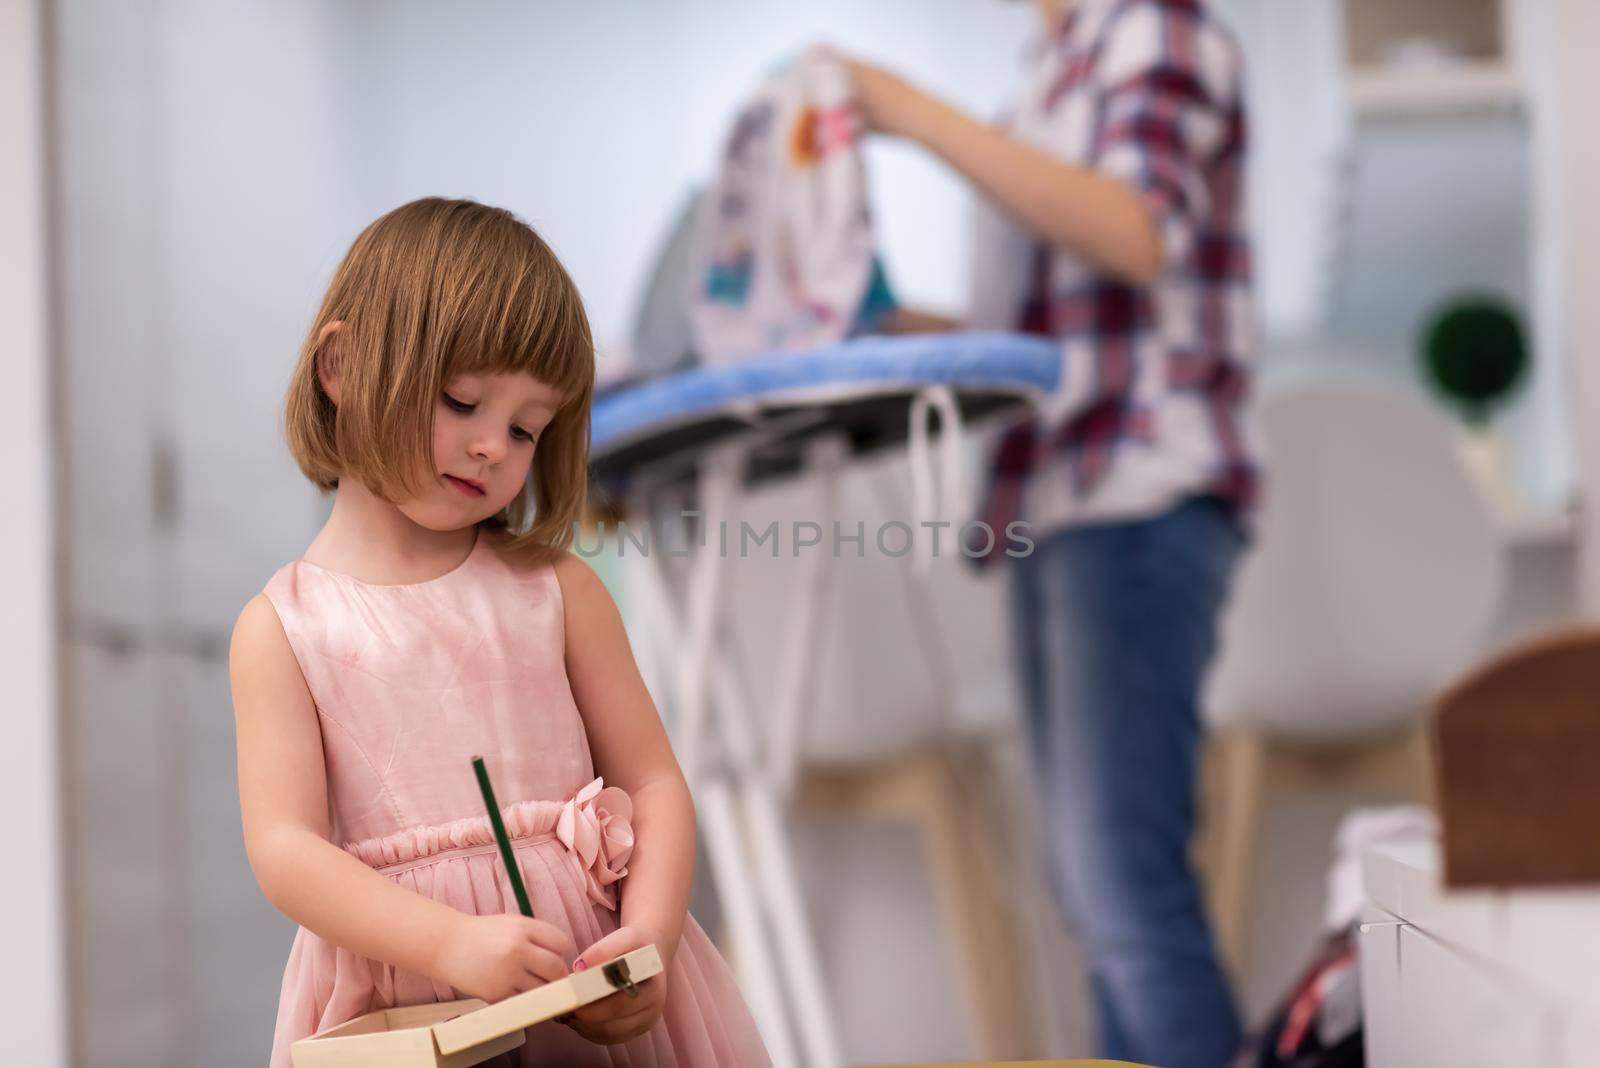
(1154, 377)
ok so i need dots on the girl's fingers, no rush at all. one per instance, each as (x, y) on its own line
(619, 1006)
(619, 1030)
(615, 944)
(545, 965)
(546, 934)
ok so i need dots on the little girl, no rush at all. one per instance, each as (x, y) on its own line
(443, 393)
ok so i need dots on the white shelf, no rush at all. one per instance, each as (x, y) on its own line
(1547, 936)
(1467, 89)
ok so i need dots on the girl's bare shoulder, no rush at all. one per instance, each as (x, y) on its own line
(259, 651)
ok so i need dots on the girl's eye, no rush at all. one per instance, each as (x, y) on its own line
(464, 406)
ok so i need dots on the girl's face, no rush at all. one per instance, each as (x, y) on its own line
(485, 429)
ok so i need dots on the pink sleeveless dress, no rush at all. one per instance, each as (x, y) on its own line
(411, 682)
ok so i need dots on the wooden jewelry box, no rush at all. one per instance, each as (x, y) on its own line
(454, 1034)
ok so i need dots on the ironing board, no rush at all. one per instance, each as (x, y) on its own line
(691, 444)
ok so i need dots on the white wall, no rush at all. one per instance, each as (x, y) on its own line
(193, 165)
(33, 982)
(1297, 129)
(1575, 32)
(1364, 225)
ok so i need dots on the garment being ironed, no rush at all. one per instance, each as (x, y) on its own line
(784, 256)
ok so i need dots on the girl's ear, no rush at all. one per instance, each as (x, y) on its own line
(329, 359)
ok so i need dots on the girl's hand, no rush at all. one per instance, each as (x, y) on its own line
(494, 957)
(618, 1017)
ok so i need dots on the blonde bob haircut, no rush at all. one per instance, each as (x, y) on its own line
(434, 289)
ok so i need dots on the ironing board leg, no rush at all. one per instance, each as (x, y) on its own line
(760, 785)
(720, 475)
(749, 881)
(780, 884)
(736, 799)
(720, 825)
(730, 867)
(799, 663)
(777, 877)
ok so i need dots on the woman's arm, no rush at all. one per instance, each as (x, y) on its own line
(1100, 218)
(283, 799)
(630, 749)
(912, 321)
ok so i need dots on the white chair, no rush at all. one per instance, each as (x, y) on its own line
(1373, 578)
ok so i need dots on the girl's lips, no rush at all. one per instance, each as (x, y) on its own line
(469, 488)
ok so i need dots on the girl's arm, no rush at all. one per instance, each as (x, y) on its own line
(283, 796)
(631, 751)
(1101, 219)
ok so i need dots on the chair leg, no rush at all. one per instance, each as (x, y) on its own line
(1420, 747)
(925, 789)
(1245, 767)
(1237, 793)
(960, 847)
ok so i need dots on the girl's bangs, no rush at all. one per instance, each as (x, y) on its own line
(528, 317)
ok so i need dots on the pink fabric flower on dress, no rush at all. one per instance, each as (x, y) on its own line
(596, 825)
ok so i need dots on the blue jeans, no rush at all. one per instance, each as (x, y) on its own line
(1114, 625)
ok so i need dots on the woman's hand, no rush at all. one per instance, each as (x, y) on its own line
(494, 957)
(886, 102)
(904, 320)
(617, 1017)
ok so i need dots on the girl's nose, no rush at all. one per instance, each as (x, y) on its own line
(489, 448)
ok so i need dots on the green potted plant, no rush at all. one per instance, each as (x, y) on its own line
(1475, 356)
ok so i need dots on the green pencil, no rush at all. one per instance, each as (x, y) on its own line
(499, 826)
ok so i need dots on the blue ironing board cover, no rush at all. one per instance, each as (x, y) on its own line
(1017, 366)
